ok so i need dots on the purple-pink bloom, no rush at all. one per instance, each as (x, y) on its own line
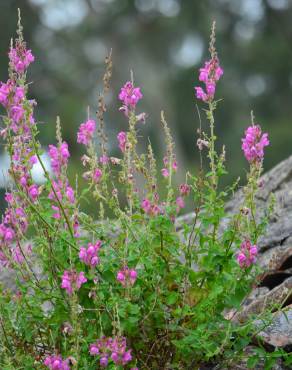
(55, 362)
(33, 192)
(165, 172)
(184, 189)
(122, 139)
(146, 205)
(20, 58)
(71, 280)
(247, 255)
(130, 95)
(59, 157)
(126, 276)
(253, 144)
(180, 203)
(97, 174)
(209, 75)
(86, 131)
(104, 159)
(16, 113)
(90, 255)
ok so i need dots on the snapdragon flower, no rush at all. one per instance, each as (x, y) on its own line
(59, 157)
(20, 58)
(122, 139)
(253, 144)
(90, 255)
(126, 276)
(184, 189)
(72, 281)
(209, 75)
(247, 255)
(111, 348)
(33, 192)
(86, 131)
(55, 362)
(130, 95)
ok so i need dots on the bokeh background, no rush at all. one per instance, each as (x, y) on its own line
(164, 42)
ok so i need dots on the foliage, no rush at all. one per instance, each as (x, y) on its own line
(126, 288)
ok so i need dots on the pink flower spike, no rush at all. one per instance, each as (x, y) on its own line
(86, 131)
(130, 95)
(253, 144)
(247, 255)
(20, 58)
(209, 75)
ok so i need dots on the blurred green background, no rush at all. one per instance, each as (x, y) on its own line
(164, 42)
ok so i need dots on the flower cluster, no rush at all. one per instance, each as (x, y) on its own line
(130, 95)
(209, 74)
(247, 255)
(86, 131)
(60, 192)
(184, 189)
(13, 226)
(56, 363)
(150, 208)
(20, 58)
(59, 157)
(165, 171)
(71, 281)
(253, 144)
(127, 277)
(111, 348)
(90, 255)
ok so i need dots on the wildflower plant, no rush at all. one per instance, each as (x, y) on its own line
(130, 291)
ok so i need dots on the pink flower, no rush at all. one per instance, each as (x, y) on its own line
(71, 280)
(86, 131)
(59, 157)
(33, 159)
(126, 276)
(33, 192)
(130, 95)
(70, 194)
(146, 205)
(180, 203)
(122, 139)
(200, 94)
(209, 74)
(90, 255)
(184, 189)
(247, 255)
(17, 113)
(114, 348)
(20, 58)
(165, 172)
(104, 159)
(253, 144)
(5, 90)
(56, 363)
(97, 175)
